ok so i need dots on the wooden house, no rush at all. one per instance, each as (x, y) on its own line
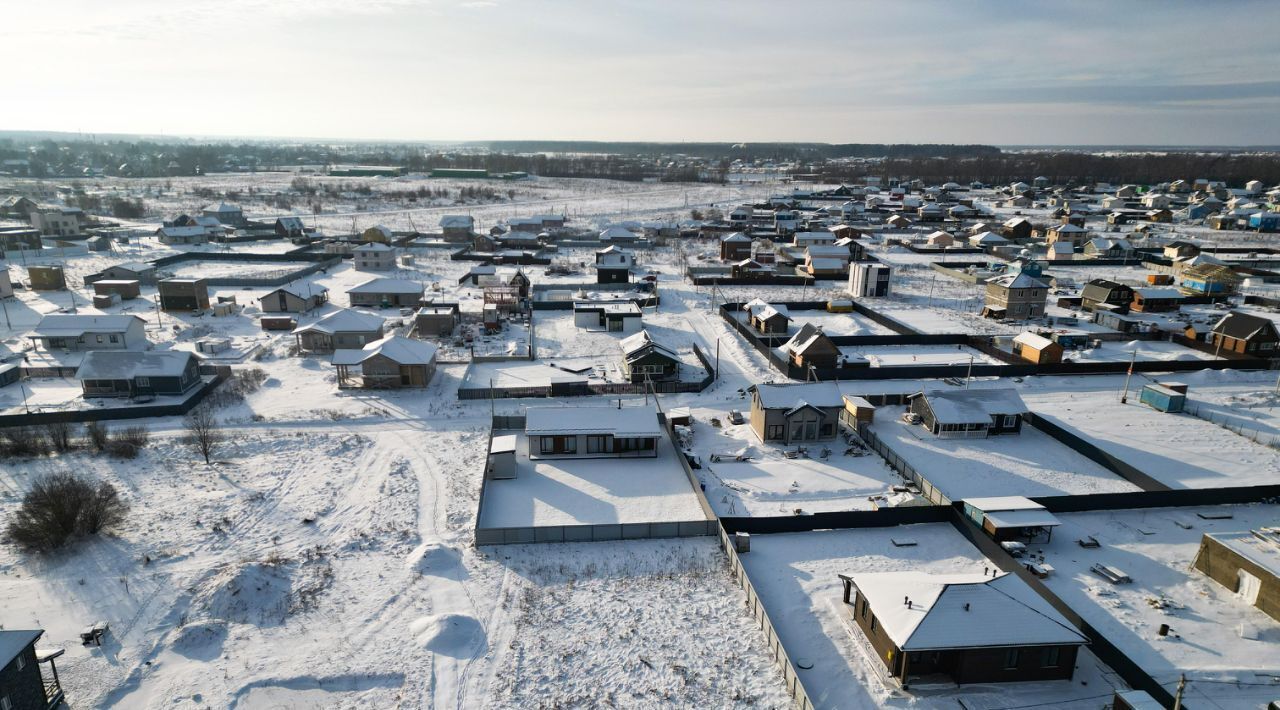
(392, 362)
(289, 227)
(1243, 333)
(457, 228)
(969, 413)
(1247, 563)
(735, 247)
(341, 330)
(647, 360)
(183, 294)
(133, 373)
(47, 278)
(767, 318)
(971, 627)
(24, 683)
(1100, 292)
(1156, 300)
(592, 432)
(940, 239)
(811, 348)
(297, 297)
(857, 410)
(1016, 229)
(791, 413)
(1036, 348)
(126, 289)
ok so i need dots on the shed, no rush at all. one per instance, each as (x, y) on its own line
(857, 410)
(502, 457)
(1161, 398)
(124, 288)
(1036, 348)
(1007, 518)
(1246, 563)
(183, 294)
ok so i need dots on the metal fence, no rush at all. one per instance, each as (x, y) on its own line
(899, 464)
(1233, 424)
(79, 416)
(1078, 444)
(587, 389)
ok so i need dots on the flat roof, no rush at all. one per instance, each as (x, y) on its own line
(1262, 546)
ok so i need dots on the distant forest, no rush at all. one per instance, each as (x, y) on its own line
(73, 156)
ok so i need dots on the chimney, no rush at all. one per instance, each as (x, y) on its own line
(966, 606)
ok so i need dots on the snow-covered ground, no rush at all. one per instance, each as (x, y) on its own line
(1111, 351)
(771, 484)
(1155, 548)
(837, 323)
(796, 576)
(1029, 463)
(891, 355)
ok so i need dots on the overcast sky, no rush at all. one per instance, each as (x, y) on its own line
(1003, 73)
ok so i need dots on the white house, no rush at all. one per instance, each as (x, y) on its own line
(374, 256)
(611, 316)
(62, 331)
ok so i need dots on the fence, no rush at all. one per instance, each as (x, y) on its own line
(587, 389)
(79, 416)
(1095, 454)
(899, 464)
(317, 262)
(1233, 424)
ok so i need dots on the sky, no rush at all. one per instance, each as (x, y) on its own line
(1004, 73)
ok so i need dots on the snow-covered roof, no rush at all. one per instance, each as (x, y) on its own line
(1017, 280)
(973, 406)
(64, 325)
(987, 238)
(735, 237)
(818, 394)
(373, 247)
(827, 250)
(128, 364)
(14, 642)
(638, 343)
(172, 232)
(386, 285)
(136, 267)
(456, 221)
(303, 290)
(221, 207)
(616, 232)
(951, 611)
(804, 338)
(625, 422)
(625, 308)
(1003, 503)
(827, 264)
(1033, 340)
(1158, 292)
(1262, 547)
(1069, 228)
(1006, 519)
(344, 321)
(399, 349)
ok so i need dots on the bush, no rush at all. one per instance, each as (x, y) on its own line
(97, 436)
(63, 506)
(22, 441)
(58, 436)
(128, 441)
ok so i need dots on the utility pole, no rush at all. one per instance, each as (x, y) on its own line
(1124, 398)
(718, 365)
(968, 373)
(1182, 686)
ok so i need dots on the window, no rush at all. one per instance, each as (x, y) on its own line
(547, 445)
(21, 661)
(596, 445)
(114, 338)
(865, 608)
(773, 431)
(1011, 659)
(142, 381)
(1051, 657)
(1010, 421)
(570, 444)
(99, 337)
(828, 429)
(873, 622)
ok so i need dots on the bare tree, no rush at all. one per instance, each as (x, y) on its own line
(202, 431)
(58, 435)
(62, 506)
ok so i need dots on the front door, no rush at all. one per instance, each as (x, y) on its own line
(1248, 586)
(284, 301)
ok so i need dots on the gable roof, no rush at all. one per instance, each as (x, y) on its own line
(972, 406)
(14, 642)
(736, 237)
(303, 290)
(344, 320)
(62, 325)
(457, 221)
(790, 396)
(386, 285)
(807, 337)
(399, 349)
(953, 611)
(624, 422)
(1241, 326)
(640, 344)
(128, 364)
(1017, 280)
(1033, 340)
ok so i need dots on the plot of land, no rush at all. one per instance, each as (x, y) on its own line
(1179, 450)
(1146, 349)
(1027, 464)
(796, 577)
(891, 355)
(771, 484)
(838, 323)
(233, 269)
(589, 491)
(1155, 548)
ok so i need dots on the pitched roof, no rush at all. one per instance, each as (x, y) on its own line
(972, 406)
(638, 344)
(373, 247)
(808, 335)
(1241, 325)
(624, 422)
(14, 642)
(344, 320)
(128, 364)
(952, 611)
(456, 221)
(790, 396)
(399, 349)
(1017, 280)
(736, 237)
(302, 289)
(385, 285)
(1033, 340)
(62, 325)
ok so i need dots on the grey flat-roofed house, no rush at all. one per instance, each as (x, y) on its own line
(787, 414)
(592, 432)
(437, 319)
(79, 333)
(970, 413)
(132, 373)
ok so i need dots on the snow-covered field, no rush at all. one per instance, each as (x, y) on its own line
(1029, 463)
(837, 323)
(1156, 548)
(796, 576)
(891, 355)
(1110, 351)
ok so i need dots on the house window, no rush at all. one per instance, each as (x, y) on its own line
(142, 381)
(5, 704)
(1051, 657)
(1011, 659)
(828, 429)
(596, 445)
(570, 444)
(21, 661)
(114, 338)
(1010, 421)
(547, 445)
(99, 337)
(774, 431)
(865, 608)
(873, 623)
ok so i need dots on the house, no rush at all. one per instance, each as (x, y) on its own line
(377, 234)
(1247, 563)
(613, 265)
(46, 278)
(439, 319)
(132, 373)
(647, 360)
(24, 685)
(386, 293)
(1108, 318)
(940, 239)
(1068, 233)
(1012, 518)
(1210, 279)
(1242, 333)
(987, 239)
(610, 316)
(1099, 292)
(81, 333)
(1062, 251)
(1016, 295)
(193, 234)
(374, 256)
(857, 410)
(20, 239)
(1016, 229)
(767, 318)
(1156, 300)
(826, 262)
(1180, 250)
(1104, 248)
(131, 270)
(1114, 202)
(787, 414)
(518, 240)
(751, 269)
(56, 221)
(1265, 221)
(1036, 348)
(592, 432)
(868, 279)
(811, 348)
(735, 247)
(740, 216)
(294, 298)
(971, 627)
(930, 212)
(20, 206)
(341, 330)
(1156, 201)
(969, 413)
(391, 362)
(1161, 216)
(897, 221)
(618, 234)
(786, 221)
(229, 215)
(183, 294)
(125, 289)
(808, 239)
(289, 227)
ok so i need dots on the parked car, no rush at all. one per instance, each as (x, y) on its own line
(735, 417)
